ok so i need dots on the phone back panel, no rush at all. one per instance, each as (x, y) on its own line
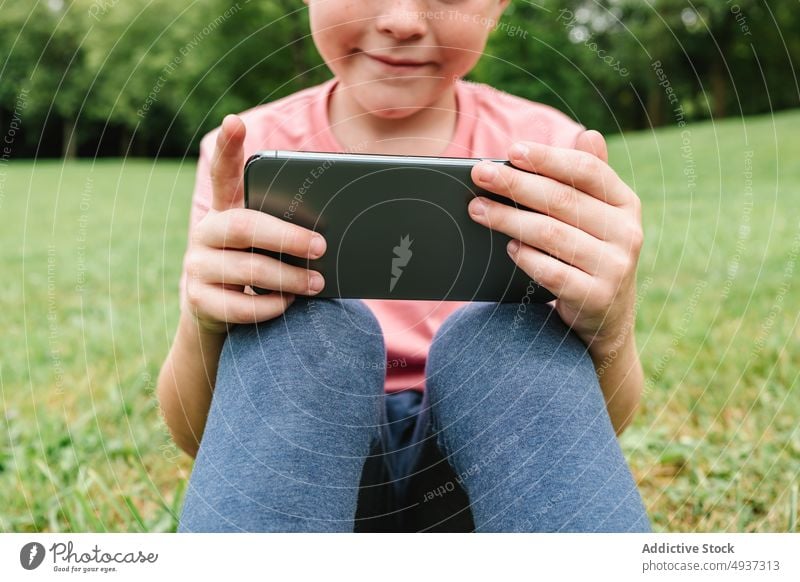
(397, 227)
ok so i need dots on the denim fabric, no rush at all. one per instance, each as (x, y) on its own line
(407, 485)
(295, 412)
(511, 435)
(518, 412)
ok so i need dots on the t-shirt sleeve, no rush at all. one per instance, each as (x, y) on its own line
(562, 129)
(551, 126)
(566, 131)
(201, 202)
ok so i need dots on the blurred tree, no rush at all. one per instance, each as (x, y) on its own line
(529, 54)
(152, 76)
(46, 53)
(262, 53)
(136, 79)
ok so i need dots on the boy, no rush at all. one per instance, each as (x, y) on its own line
(497, 420)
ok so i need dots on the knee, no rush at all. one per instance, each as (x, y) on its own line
(345, 330)
(320, 364)
(333, 339)
(490, 355)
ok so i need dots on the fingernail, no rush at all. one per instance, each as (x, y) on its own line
(487, 172)
(513, 247)
(317, 245)
(315, 282)
(477, 207)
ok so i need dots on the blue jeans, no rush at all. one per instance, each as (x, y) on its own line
(511, 435)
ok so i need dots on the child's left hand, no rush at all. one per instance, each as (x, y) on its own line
(586, 217)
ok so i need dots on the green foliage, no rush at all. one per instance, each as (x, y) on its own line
(97, 63)
(593, 58)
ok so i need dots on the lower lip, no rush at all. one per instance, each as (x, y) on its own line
(397, 68)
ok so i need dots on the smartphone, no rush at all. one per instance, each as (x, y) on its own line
(397, 227)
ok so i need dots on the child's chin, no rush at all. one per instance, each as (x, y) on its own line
(393, 110)
(387, 98)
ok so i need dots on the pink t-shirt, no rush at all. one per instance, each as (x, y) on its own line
(488, 122)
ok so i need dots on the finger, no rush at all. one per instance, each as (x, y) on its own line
(593, 142)
(567, 243)
(232, 267)
(543, 194)
(227, 165)
(577, 168)
(241, 228)
(562, 280)
(236, 307)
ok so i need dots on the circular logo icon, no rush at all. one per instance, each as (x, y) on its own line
(31, 555)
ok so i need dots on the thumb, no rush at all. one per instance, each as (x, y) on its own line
(593, 142)
(227, 165)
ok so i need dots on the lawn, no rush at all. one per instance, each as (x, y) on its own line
(92, 254)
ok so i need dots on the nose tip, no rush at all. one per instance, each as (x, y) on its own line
(401, 22)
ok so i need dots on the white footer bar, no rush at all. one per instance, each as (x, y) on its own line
(400, 557)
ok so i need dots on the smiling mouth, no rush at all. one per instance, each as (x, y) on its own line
(397, 63)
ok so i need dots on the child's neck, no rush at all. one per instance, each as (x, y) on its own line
(427, 132)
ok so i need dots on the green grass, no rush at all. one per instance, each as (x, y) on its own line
(717, 445)
(91, 256)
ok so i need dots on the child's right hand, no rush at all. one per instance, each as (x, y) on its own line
(219, 264)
